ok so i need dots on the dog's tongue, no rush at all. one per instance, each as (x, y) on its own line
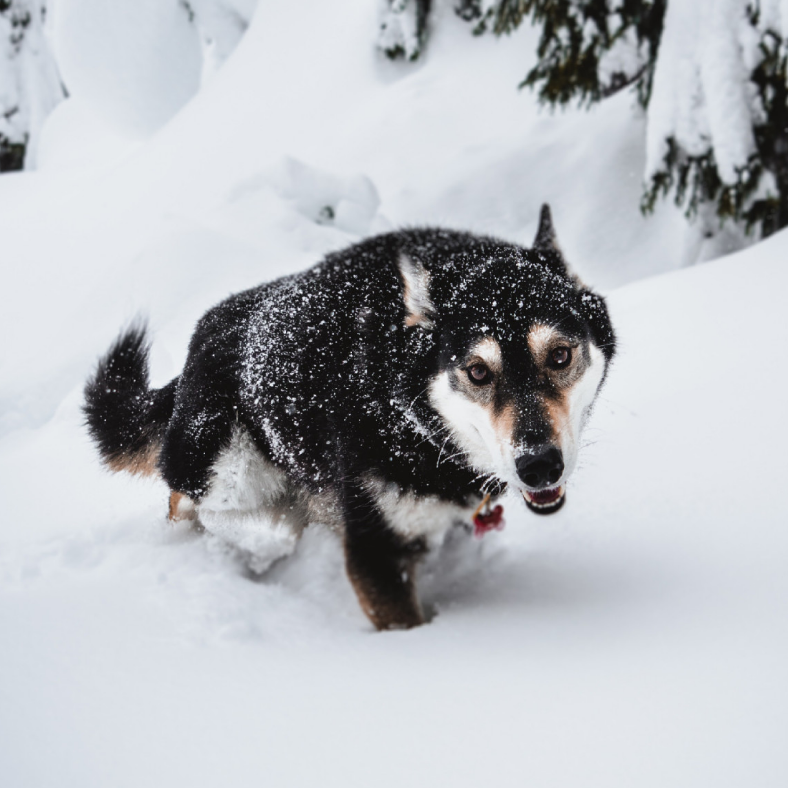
(542, 497)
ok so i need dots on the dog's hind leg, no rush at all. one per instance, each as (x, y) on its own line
(381, 565)
(181, 507)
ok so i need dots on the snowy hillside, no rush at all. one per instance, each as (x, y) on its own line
(640, 630)
(230, 191)
(636, 638)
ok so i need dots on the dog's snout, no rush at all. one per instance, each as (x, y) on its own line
(541, 469)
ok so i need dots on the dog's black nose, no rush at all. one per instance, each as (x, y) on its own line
(541, 469)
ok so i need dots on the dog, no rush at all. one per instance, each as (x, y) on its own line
(391, 391)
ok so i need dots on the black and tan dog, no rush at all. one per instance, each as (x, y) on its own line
(386, 392)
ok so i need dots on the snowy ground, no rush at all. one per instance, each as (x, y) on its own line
(636, 638)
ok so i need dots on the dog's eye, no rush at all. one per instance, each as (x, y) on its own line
(479, 375)
(560, 357)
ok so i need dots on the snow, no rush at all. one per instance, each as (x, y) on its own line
(624, 59)
(221, 23)
(137, 61)
(774, 16)
(725, 78)
(637, 637)
(701, 95)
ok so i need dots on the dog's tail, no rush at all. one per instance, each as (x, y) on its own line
(124, 416)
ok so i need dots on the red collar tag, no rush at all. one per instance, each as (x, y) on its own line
(489, 520)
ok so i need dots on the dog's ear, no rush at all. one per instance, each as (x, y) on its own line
(594, 310)
(415, 292)
(546, 240)
(546, 243)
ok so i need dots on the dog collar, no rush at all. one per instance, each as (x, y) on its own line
(487, 519)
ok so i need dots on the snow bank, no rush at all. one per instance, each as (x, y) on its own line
(635, 638)
(640, 629)
(136, 61)
(115, 221)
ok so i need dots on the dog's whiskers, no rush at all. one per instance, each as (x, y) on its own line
(451, 456)
(432, 435)
(415, 398)
(487, 485)
(443, 446)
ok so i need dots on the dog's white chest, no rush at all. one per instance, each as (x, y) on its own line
(415, 516)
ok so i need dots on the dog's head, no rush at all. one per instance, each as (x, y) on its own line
(523, 348)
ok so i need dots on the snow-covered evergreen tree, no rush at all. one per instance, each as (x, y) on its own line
(718, 118)
(29, 82)
(711, 75)
(403, 27)
(589, 49)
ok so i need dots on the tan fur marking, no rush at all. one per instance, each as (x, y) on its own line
(141, 463)
(180, 508)
(488, 351)
(558, 416)
(415, 292)
(539, 339)
(558, 412)
(504, 423)
(414, 320)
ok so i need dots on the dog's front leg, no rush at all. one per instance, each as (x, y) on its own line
(380, 565)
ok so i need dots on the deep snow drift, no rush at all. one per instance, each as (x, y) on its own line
(636, 638)
(640, 630)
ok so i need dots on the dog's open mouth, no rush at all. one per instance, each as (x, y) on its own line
(545, 501)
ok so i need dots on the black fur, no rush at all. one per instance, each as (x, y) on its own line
(123, 415)
(321, 370)
(325, 374)
(379, 562)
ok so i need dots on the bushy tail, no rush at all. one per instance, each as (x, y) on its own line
(124, 416)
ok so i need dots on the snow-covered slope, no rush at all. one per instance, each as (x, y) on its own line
(636, 638)
(228, 192)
